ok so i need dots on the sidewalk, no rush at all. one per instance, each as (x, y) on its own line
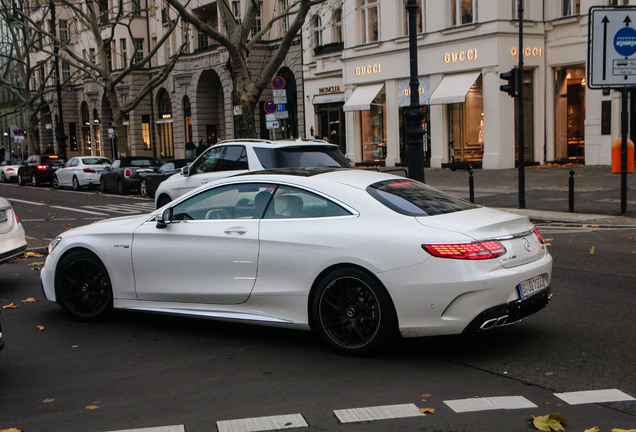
(597, 192)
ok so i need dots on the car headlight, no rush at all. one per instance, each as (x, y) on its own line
(54, 244)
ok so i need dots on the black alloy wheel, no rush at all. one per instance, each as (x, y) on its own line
(143, 188)
(353, 313)
(82, 286)
(4, 177)
(34, 180)
(76, 184)
(56, 182)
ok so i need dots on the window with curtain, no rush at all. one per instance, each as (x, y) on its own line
(368, 19)
(337, 25)
(570, 7)
(463, 12)
(419, 20)
(317, 31)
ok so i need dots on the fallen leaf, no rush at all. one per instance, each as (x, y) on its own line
(48, 400)
(10, 306)
(594, 429)
(550, 422)
(11, 430)
(427, 395)
(623, 430)
(91, 407)
(549, 373)
(74, 346)
(67, 225)
(37, 264)
(31, 254)
(592, 250)
(40, 328)
(427, 410)
(29, 300)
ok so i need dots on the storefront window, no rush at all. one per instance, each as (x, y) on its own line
(404, 136)
(569, 114)
(466, 126)
(331, 125)
(372, 123)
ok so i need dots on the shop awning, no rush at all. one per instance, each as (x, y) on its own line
(453, 88)
(362, 97)
(328, 98)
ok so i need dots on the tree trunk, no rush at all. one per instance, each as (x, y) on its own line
(244, 121)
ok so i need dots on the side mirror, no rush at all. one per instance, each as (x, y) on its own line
(185, 171)
(164, 218)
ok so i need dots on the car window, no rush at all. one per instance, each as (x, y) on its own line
(96, 161)
(73, 162)
(116, 164)
(301, 156)
(416, 199)
(291, 202)
(240, 201)
(141, 162)
(234, 158)
(168, 166)
(208, 160)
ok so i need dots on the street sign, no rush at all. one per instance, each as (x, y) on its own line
(281, 115)
(270, 117)
(280, 96)
(269, 106)
(273, 125)
(611, 55)
(278, 82)
(280, 107)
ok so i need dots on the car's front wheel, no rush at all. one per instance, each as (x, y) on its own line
(4, 177)
(56, 182)
(143, 188)
(34, 180)
(120, 187)
(353, 312)
(21, 181)
(76, 184)
(83, 287)
(102, 185)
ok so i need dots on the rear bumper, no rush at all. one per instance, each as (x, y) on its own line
(510, 313)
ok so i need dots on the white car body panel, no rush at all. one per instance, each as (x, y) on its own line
(209, 273)
(12, 237)
(10, 171)
(66, 173)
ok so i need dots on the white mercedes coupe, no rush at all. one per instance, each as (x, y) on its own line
(359, 257)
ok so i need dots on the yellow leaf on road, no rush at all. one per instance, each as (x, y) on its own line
(592, 250)
(40, 328)
(594, 429)
(37, 264)
(33, 255)
(92, 407)
(10, 306)
(623, 430)
(29, 300)
(550, 422)
(48, 400)
(11, 430)
(427, 410)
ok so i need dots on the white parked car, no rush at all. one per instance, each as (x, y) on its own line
(12, 238)
(241, 155)
(9, 169)
(357, 256)
(80, 171)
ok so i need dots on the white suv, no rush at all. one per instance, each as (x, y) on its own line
(233, 157)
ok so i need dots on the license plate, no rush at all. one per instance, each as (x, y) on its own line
(3, 216)
(531, 286)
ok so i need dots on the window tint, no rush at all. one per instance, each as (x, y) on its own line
(96, 161)
(142, 162)
(168, 166)
(416, 199)
(207, 162)
(290, 202)
(116, 164)
(300, 157)
(234, 158)
(73, 162)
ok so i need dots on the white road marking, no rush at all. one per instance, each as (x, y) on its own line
(490, 403)
(175, 428)
(594, 396)
(80, 210)
(262, 423)
(25, 202)
(385, 412)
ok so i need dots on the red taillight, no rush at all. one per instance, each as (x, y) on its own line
(88, 170)
(127, 172)
(470, 251)
(42, 167)
(539, 236)
(10, 169)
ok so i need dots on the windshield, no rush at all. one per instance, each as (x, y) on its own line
(416, 199)
(299, 157)
(96, 161)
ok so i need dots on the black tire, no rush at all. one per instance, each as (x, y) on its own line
(143, 188)
(102, 185)
(76, 184)
(83, 287)
(4, 177)
(163, 200)
(34, 181)
(56, 182)
(353, 313)
(120, 187)
(21, 181)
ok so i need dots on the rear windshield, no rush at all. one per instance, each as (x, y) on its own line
(96, 161)
(139, 162)
(416, 199)
(52, 160)
(300, 157)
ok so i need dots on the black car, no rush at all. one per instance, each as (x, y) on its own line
(123, 174)
(1, 340)
(150, 180)
(39, 169)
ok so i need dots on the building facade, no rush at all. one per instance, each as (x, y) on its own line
(356, 74)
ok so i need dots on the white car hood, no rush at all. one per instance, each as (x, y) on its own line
(118, 224)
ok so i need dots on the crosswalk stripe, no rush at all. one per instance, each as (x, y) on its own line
(594, 396)
(257, 424)
(385, 412)
(175, 428)
(489, 403)
(80, 210)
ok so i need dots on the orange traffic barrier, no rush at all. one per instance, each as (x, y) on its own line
(616, 156)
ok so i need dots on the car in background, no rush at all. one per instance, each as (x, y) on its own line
(233, 157)
(150, 180)
(9, 169)
(123, 174)
(80, 171)
(1, 339)
(12, 237)
(357, 256)
(39, 169)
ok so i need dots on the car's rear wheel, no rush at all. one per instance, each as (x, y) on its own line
(102, 185)
(120, 187)
(34, 180)
(21, 181)
(56, 182)
(83, 287)
(143, 188)
(353, 313)
(76, 184)
(4, 177)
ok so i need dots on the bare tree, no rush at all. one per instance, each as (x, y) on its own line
(93, 23)
(239, 42)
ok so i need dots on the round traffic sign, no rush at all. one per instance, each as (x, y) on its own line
(269, 107)
(625, 41)
(278, 82)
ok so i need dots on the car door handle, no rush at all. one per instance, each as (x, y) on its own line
(239, 230)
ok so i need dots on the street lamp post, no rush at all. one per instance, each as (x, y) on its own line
(414, 115)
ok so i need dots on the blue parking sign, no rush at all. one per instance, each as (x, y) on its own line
(280, 107)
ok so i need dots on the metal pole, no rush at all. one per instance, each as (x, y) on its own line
(624, 126)
(571, 192)
(151, 93)
(522, 174)
(59, 127)
(414, 115)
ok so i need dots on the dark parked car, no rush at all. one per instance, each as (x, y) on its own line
(1, 340)
(150, 180)
(39, 169)
(123, 174)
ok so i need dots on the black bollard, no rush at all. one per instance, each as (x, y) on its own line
(471, 184)
(571, 191)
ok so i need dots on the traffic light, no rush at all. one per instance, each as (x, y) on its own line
(510, 76)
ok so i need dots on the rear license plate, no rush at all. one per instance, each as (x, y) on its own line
(3, 216)
(531, 286)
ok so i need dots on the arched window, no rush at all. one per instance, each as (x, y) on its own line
(337, 26)
(317, 22)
